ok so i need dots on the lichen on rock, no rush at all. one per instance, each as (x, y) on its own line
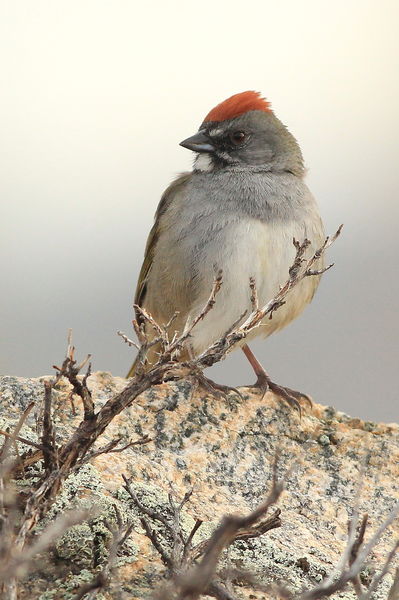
(223, 450)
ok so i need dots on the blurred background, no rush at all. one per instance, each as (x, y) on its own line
(96, 97)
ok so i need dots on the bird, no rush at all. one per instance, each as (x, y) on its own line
(237, 211)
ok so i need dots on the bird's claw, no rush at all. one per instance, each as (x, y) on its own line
(292, 397)
(216, 389)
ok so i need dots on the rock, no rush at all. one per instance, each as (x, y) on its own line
(223, 449)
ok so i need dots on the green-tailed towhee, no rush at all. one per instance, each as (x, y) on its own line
(238, 210)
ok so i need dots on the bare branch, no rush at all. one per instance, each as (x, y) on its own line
(329, 586)
(261, 528)
(127, 340)
(187, 545)
(48, 435)
(227, 532)
(151, 534)
(311, 272)
(19, 438)
(379, 576)
(394, 591)
(144, 509)
(300, 269)
(178, 343)
(171, 320)
(59, 462)
(254, 295)
(21, 560)
(354, 550)
(111, 447)
(140, 332)
(189, 579)
(146, 316)
(101, 579)
(12, 437)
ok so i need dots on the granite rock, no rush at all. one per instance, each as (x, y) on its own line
(223, 449)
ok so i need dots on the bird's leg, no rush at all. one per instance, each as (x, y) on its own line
(264, 383)
(216, 389)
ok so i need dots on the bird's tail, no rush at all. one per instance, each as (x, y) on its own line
(132, 370)
(152, 357)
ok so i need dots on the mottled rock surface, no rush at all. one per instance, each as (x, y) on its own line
(223, 449)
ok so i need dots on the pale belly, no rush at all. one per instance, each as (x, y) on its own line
(264, 251)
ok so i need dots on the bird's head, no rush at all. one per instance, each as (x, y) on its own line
(243, 132)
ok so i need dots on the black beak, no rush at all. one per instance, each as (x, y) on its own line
(198, 143)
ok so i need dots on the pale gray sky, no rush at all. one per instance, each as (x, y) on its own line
(96, 97)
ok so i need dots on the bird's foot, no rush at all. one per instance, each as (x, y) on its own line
(292, 397)
(216, 389)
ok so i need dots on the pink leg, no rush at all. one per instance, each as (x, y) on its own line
(255, 364)
(264, 383)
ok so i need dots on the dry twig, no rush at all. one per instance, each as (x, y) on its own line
(356, 554)
(101, 579)
(188, 577)
(60, 460)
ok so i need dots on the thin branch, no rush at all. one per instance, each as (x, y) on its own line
(394, 591)
(152, 536)
(19, 438)
(127, 340)
(379, 576)
(190, 579)
(357, 564)
(74, 450)
(9, 439)
(48, 434)
(179, 342)
(261, 528)
(300, 269)
(144, 509)
(101, 579)
(254, 295)
(146, 316)
(171, 320)
(329, 587)
(82, 390)
(139, 331)
(20, 561)
(111, 447)
(188, 544)
(219, 591)
(354, 551)
(223, 536)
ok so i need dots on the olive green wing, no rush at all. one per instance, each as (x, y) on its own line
(166, 200)
(150, 249)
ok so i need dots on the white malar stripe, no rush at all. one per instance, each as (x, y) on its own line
(203, 162)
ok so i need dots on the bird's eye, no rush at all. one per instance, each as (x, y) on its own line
(237, 137)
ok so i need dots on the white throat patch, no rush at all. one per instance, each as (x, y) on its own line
(203, 162)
